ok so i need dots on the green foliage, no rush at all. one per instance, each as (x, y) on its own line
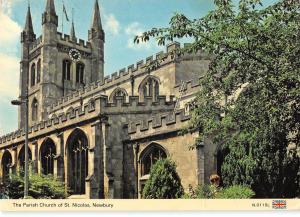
(235, 192)
(212, 192)
(205, 192)
(40, 187)
(250, 97)
(164, 182)
(15, 187)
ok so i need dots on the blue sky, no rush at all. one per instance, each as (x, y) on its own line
(121, 19)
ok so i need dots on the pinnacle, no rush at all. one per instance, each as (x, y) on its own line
(72, 34)
(50, 7)
(28, 25)
(96, 22)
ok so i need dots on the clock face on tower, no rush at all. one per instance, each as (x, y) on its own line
(74, 55)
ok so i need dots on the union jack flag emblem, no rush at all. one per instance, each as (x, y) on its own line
(279, 204)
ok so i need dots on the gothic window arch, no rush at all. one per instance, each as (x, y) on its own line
(6, 164)
(21, 158)
(34, 110)
(187, 108)
(38, 71)
(66, 65)
(47, 155)
(150, 156)
(71, 112)
(77, 155)
(32, 73)
(80, 73)
(118, 92)
(149, 88)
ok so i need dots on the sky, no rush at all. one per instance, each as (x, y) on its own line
(121, 20)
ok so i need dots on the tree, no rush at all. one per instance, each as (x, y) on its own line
(164, 182)
(250, 97)
(40, 187)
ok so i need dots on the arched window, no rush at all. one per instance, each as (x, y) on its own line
(187, 108)
(77, 154)
(149, 156)
(6, 164)
(34, 110)
(80, 73)
(38, 72)
(32, 74)
(149, 88)
(47, 154)
(67, 70)
(21, 158)
(119, 92)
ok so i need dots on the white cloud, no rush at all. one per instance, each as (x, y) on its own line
(133, 30)
(9, 62)
(9, 74)
(111, 25)
(6, 6)
(9, 34)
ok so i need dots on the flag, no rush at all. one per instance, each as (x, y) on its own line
(279, 204)
(65, 11)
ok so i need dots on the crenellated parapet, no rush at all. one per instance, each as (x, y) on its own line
(35, 44)
(141, 66)
(133, 105)
(161, 123)
(66, 38)
(122, 105)
(87, 91)
(56, 121)
(98, 105)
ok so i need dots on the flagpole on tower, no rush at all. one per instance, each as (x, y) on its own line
(64, 13)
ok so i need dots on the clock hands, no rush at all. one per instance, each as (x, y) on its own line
(75, 55)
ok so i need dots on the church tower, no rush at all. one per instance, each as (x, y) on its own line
(56, 64)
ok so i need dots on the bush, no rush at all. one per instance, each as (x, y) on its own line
(212, 192)
(205, 191)
(40, 187)
(235, 192)
(164, 182)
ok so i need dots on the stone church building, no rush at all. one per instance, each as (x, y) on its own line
(101, 135)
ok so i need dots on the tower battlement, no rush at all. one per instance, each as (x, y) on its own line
(35, 44)
(161, 122)
(79, 42)
(96, 106)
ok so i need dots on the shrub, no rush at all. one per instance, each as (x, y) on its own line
(40, 187)
(164, 182)
(235, 192)
(212, 192)
(205, 191)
